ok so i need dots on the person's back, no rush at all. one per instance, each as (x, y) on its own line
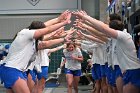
(18, 56)
(126, 51)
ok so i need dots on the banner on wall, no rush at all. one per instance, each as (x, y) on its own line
(37, 6)
(111, 4)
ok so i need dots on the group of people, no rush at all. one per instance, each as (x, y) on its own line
(115, 69)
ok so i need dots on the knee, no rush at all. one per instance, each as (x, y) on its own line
(70, 85)
(104, 87)
(75, 87)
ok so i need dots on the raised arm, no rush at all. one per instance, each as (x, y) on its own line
(90, 37)
(98, 25)
(56, 49)
(49, 43)
(51, 28)
(56, 34)
(60, 18)
(92, 31)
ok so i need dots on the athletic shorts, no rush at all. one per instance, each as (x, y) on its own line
(33, 74)
(43, 73)
(110, 74)
(96, 72)
(0, 71)
(117, 71)
(10, 75)
(25, 75)
(103, 71)
(73, 72)
(132, 76)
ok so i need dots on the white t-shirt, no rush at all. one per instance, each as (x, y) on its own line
(126, 52)
(21, 50)
(108, 51)
(44, 57)
(70, 63)
(114, 53)
(97, 52)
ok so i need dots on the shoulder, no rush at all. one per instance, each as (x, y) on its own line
(78, 49)
(123, 35)
(27, 32)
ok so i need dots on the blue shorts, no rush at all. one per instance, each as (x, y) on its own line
(96, 72)
(44, 73)
(117, 71)
(33, 74)
(10, 75)
(103, 71)
(110, 74)
(25, 75)
(0, 71)
(132, 76)
(73, 72)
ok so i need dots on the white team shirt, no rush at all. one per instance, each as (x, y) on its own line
(70, 63)
(126, 52)
(114, 53)
(21, 50)
(97, 51)
(44, 57)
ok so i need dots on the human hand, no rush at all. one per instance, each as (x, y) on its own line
(70, 31)
(79, 14)
(65, 17)
(73, 57)
(67, 38)
(79, 24)
(79, 35)
(59, 32)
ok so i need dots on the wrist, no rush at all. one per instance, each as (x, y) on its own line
(64, 39)
(58, 19)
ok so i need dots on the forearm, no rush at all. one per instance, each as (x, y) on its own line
(49, 43)
(98, 25)
(97, 33)
(56, 49)
(100, 37)
(49, 29)
(80, 59)
(93, 38)
(102, 27)
(49, 36)
(51, 22)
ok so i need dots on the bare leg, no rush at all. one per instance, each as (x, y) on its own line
(97, 86)
(35, 88)
(75, 83)
(104, 85)
(119, 84)
(115, 90)
(9, 91)
(129, 88)
(69, 78)
(110, 89)
(20, 86)
(41, 85)
(30, 82)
